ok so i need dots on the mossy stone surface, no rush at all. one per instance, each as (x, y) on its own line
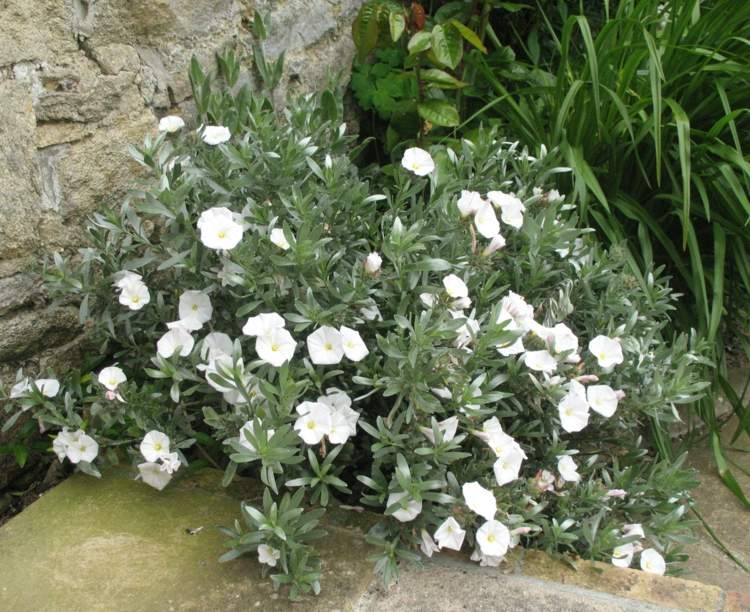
(117, 544)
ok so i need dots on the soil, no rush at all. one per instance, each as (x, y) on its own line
(39, 477)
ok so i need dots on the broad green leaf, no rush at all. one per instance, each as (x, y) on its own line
(441, 78)
(469, 35)
(421, 41)
(439, 112)
(447, 45)
(397, 24)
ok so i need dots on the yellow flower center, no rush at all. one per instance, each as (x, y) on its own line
(275, 347)
(222, 234)
(328, 346)
(112, 382)
(135, 299)
(157, 447)
(602, 356)
(195, 307)
(311, 424)
(491, 538)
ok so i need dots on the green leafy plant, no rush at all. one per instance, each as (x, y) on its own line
(651, 113)
(415, 81)
(263, 305)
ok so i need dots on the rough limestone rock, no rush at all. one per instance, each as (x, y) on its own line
(80, 80)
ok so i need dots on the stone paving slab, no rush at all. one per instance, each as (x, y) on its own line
(728, 518)
(117, 545)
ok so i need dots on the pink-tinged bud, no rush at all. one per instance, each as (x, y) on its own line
(497, 243)
(110, 395)
(620, 394)
(544, 481)
(588, 378)
(521, 531)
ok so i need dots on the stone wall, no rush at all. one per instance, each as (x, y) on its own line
(82, 79)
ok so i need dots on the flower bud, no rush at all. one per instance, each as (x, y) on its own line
(497, 243)
(373, 263)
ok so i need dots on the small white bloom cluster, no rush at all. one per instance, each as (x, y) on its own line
(651, 560)
(160, 463)
(331, 415)
(48, 387)
(133, 291)
(77, 446)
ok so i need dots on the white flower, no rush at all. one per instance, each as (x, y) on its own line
(427, 544)
(622, 556)
(340, 405)
(602, 399)
(111, 377)
(485, 220)
(607, 351)
(633, 529)
(455, 287)
(418, 161)
(48, 387)
(515, 308)
(215, 134)
(508, 464)
(480, 500)
(275, 347)
(562, 339)
(467, 332)
(469, 202)
(448, 427)
(171, 463)
(268, 555)
(171, 124)
(371, 312)
(62, 441)
(134, 294)
(497, 243)
(152, 474)
(574, 409)
(262, 324)
(82, 448)
(409, 513)
(325, 346)
(428, 299)
(216, 344)
(126, 276)
(511, 207)
(248, 427)
(461, 303)
(353, 345)
(155, 445)
(486, 560)
(20, 389)
(450, 535)
(617, 493)
(511, 348)
(195, 306)
(568, 469)
(219, 229)
(540, 361)
(314, 422)
(493, 538)
(442, 392)
(373, 262)
(176, 339)
(279, 239)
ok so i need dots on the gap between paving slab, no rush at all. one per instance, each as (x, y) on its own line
(117, 545)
